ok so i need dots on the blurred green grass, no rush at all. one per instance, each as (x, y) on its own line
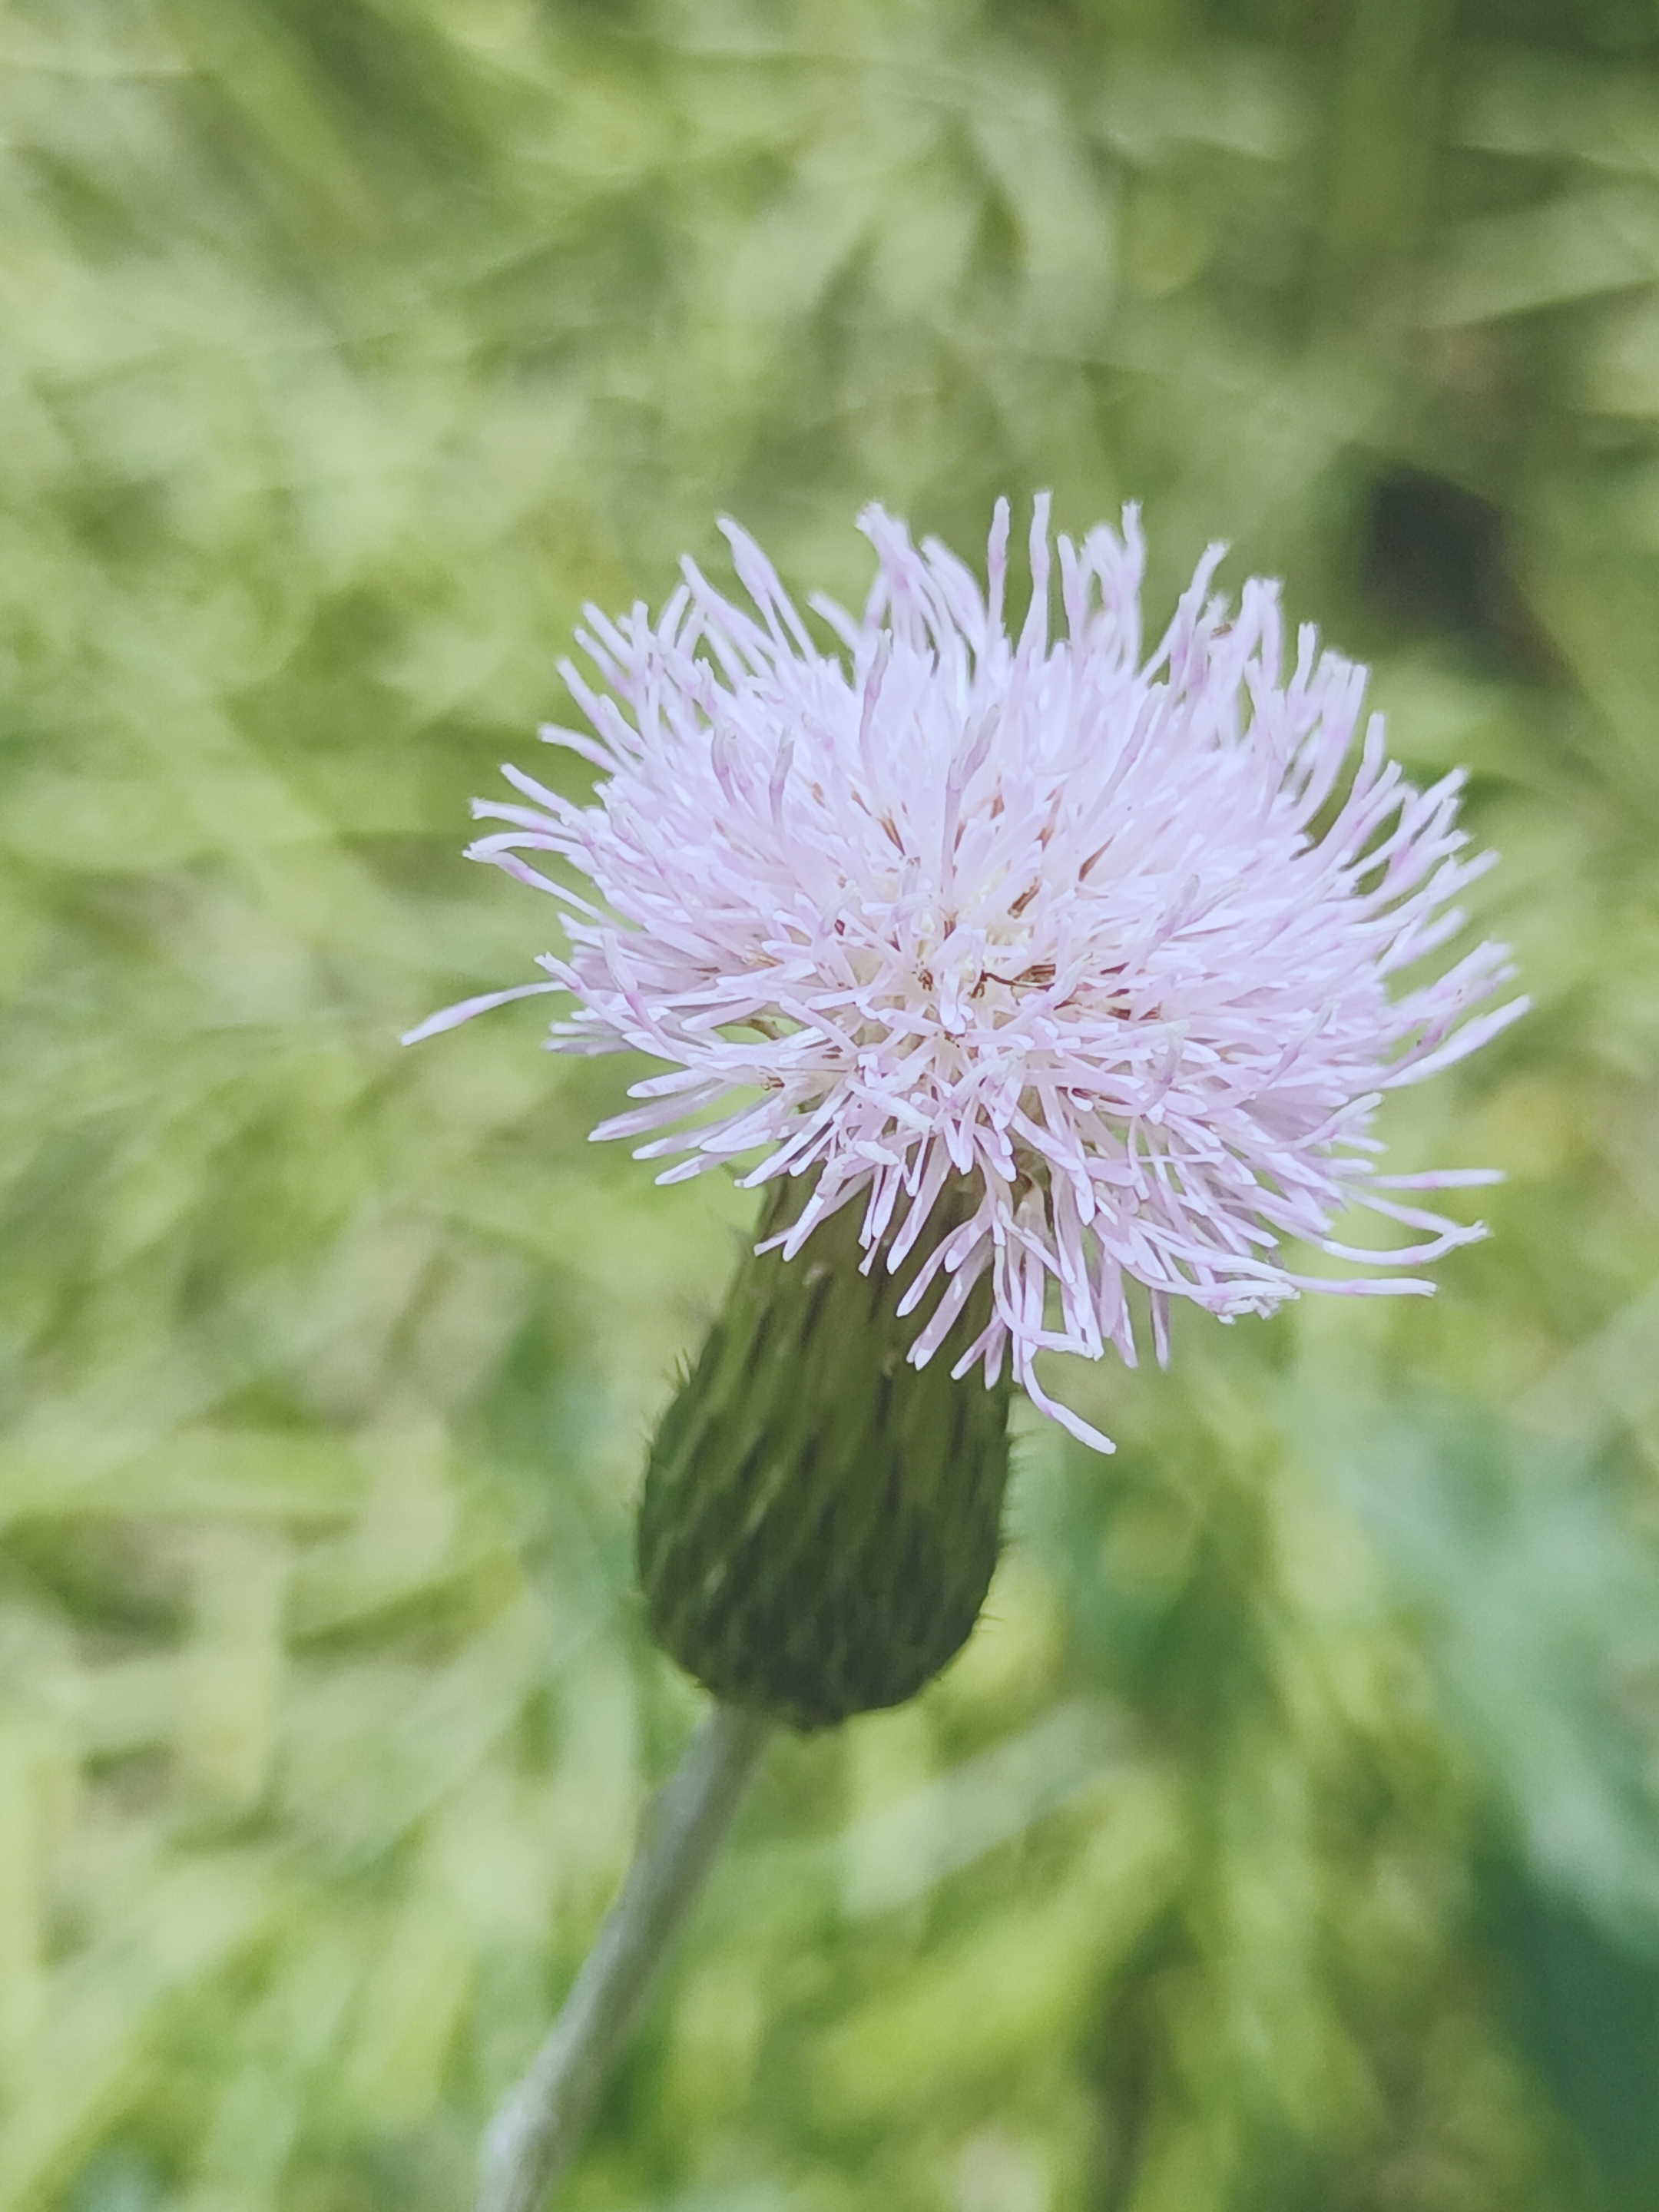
(1289, 1834)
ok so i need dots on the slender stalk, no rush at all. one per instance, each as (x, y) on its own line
(539, 2124)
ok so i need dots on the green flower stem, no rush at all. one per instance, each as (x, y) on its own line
(538, 2128)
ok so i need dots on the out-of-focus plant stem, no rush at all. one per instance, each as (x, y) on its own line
(540, 2125)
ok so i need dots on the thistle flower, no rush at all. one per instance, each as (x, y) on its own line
(1021, 972)
(1105, 947)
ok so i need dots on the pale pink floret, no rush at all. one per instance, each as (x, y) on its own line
(1038, 913)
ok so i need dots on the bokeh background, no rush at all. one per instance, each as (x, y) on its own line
(1288, 1836)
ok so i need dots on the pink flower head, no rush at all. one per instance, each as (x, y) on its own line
(1110, 938)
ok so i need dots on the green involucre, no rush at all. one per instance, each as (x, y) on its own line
(821, 1520)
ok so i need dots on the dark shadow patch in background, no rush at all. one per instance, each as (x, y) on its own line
(1585, 2009)
(1432, 560)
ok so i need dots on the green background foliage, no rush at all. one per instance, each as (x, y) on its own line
(1288, 1836)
